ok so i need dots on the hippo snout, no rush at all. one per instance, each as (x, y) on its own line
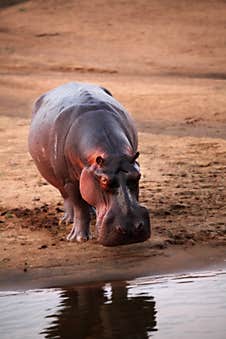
(123, 231)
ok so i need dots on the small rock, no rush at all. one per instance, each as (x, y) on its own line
(42, 247)
(36, 199)
(5, 260)
(191, 242)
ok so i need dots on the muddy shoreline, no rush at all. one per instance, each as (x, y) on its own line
(170, 261)
(173, 83)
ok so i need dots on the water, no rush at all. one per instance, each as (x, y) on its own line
(172, 306)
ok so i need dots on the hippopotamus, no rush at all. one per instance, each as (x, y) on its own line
(84, 143)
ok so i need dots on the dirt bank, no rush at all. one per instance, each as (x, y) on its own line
(169, 72)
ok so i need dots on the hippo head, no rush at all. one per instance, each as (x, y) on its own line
(111, 185)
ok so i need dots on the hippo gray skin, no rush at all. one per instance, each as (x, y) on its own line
(84, 143)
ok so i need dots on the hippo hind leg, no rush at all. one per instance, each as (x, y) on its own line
(78, 210)
(68, 217)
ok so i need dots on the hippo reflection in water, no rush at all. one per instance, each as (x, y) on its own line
(85, 144)
(87, 312)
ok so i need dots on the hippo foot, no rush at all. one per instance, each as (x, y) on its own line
(66, 219)
(68, 213)
(78, 235)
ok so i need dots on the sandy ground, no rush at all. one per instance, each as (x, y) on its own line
(165, 62)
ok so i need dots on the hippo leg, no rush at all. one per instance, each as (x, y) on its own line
(68, 212)
(80, 213)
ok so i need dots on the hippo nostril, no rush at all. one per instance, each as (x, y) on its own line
(139, 227)
(120, 229)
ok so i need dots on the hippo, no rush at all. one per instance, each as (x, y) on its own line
(84, 143)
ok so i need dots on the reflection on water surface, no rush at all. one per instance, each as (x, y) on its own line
(179, 306)
(104, 312)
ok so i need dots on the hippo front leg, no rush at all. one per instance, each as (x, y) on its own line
(80, 213)
(80, 228)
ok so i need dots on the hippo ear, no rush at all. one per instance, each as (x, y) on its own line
(135, 157)
(88, 187)
(100, 161)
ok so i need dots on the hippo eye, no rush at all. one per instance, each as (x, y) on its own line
(104, 181)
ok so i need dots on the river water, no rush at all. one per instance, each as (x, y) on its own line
(169, 306)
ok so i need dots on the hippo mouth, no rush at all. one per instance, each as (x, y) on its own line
(115, 235)
(115, 238)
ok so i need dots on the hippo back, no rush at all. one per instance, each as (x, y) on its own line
(58, 114)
